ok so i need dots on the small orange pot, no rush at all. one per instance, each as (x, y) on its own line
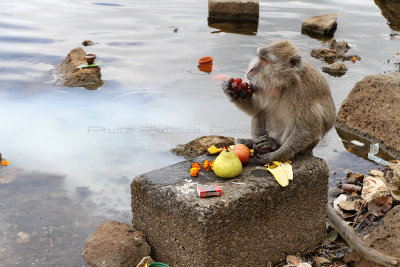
(205, 60)
(205, 64)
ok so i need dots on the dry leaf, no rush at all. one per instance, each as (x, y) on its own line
(377, 173)
(378, 206)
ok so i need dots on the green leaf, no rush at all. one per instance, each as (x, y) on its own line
(332, 235)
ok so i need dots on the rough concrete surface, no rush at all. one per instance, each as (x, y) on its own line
(321, 25)
(372, 110)
(254, 221)
(234, 9)
(66, 73)
(115, 244)
(199, 145)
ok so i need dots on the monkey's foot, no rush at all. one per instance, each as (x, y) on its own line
(262, 159)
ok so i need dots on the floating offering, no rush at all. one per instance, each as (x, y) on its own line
(97, 63)
(205, 64)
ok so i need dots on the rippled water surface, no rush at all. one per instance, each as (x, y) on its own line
(74, 151)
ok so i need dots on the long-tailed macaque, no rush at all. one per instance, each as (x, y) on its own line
(292, 106)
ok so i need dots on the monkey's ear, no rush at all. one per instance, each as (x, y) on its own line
(295, 61)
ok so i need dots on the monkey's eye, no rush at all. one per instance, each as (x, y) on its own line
(265, 61)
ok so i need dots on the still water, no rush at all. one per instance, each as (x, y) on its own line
(73, 151)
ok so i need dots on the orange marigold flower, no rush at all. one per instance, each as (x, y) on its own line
(212, 165)
(196, 165)
(194, 171)
(207, 165)
(5, 162)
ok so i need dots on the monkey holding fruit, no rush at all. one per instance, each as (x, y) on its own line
(292, 106)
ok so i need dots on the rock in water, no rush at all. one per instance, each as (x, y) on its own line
(320, 26)
(371, 110)
(66, 73)
(115, 244)
(335, 69)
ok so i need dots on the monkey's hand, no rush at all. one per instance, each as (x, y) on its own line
(265, 143)
(226, 87)
(247, 142)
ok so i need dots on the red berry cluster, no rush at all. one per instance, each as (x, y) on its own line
(240, 89)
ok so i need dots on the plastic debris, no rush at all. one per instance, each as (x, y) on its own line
(373, 187)
(373, 150)
(357, 143)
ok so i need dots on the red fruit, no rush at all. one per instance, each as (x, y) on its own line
(242, 152)
(245, 85)
(249, 92)
(234, 86)
(238, 80)
(243, 93)
(231, 80)
(235, 96)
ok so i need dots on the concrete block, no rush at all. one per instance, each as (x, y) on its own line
(234, 9)
(254, 221)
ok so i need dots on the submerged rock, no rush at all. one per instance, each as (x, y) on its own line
(336, 69)
(66, 73)
(199, 145)
(320, 26)
(23, 238)
(115, 244)
(371, 110)
(331, 55)
(341, 47)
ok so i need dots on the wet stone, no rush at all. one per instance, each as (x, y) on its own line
(371, 110)
(336, 69)
(320, 26)
(254, 221)
(66, 73)
(247, 10)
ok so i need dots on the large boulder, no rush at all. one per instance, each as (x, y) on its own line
(320, 26)
(115, 244)
(390, 10)
(66, 73)
(372, 110)
(199, 145)
(253, 222)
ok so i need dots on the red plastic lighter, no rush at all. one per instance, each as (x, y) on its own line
(209, 191)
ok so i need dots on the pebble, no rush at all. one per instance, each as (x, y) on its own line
(23, 238)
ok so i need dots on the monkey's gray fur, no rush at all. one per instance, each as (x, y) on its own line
(292, 106)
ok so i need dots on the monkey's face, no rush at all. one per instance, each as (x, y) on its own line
(276, 67)
(258, 73)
